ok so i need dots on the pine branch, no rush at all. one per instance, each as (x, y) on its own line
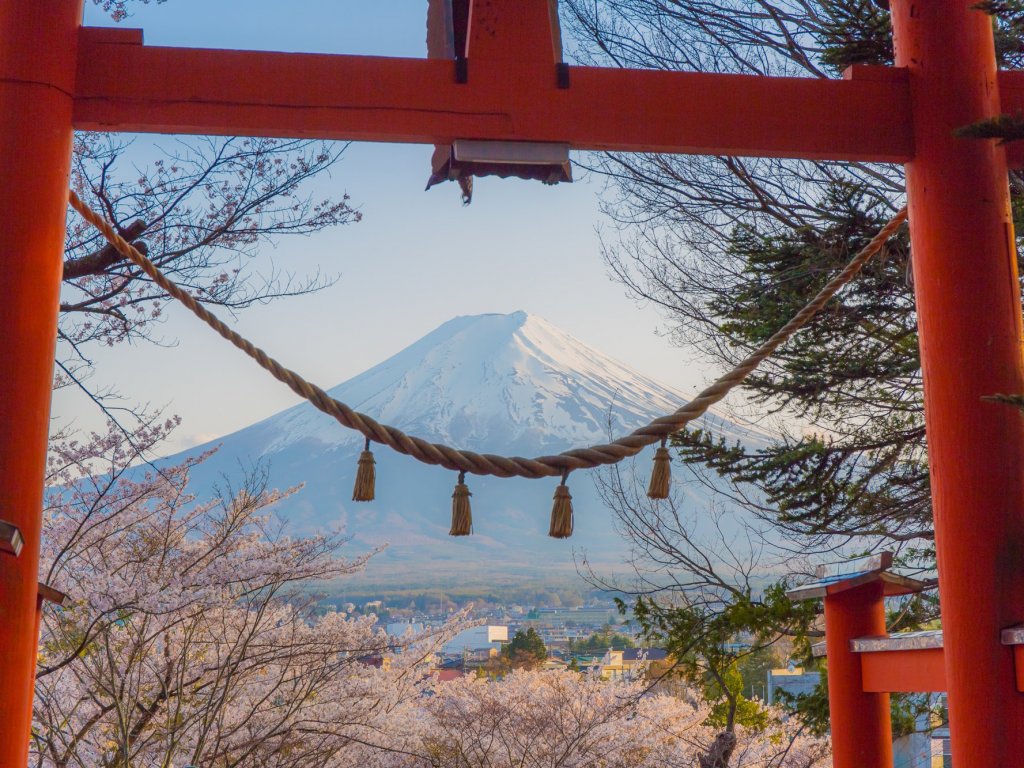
(1006, 128)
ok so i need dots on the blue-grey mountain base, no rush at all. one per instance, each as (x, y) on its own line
(511, 384)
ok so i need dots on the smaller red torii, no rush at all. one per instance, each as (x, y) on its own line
(866, 664)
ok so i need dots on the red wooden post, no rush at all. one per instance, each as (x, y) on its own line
(521, 34)
(969, 316)
(861, 730)
(37, 76)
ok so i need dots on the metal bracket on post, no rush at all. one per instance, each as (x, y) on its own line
(1014, 637)
(55, 596)
(562, 75)
(11, 541)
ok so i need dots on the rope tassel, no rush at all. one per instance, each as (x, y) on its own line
(561, 511)
(462, 514)
(661, 475)
(366, 476)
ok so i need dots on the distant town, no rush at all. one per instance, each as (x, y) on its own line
(595, 637)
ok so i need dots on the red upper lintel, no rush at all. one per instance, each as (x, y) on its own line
(123, 85)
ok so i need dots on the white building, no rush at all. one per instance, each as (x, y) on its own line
(477, 638)
(793, 680)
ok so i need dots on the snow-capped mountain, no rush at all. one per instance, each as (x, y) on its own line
(511, 384)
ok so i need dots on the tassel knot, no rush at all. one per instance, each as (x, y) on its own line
(661, 476)
(561, 511)
(366, 476)
(462, 514)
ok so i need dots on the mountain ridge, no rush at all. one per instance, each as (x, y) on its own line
(508, 384)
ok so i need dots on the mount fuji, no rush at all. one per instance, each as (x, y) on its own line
(511, 384)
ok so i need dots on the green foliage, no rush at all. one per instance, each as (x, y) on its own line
(1006, 128)
(854, 32)
(903, 712)
(860, 32)
(811, 708)
(599, 642)
(855, 369)
(1008, 20)
(704, 643)
(730, 705)
(913, 612)
(867, 333)
(526, 649)
(754, 667)
(1017, 401)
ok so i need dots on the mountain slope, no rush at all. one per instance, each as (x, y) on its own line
(511, 384)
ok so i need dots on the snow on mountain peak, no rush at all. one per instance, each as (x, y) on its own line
(508, 384)
(503, 383)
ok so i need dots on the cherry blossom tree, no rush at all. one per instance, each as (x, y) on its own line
(561, 719)
(203, 209)
(191, 637)
(118, 9)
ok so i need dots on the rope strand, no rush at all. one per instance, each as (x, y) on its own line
(486, 463)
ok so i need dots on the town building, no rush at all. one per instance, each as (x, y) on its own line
(475, 639)
(795, 681)
(630, 663)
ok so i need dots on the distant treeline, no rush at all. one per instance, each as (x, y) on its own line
(435, 600)
(599, 642)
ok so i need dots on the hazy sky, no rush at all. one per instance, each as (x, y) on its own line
(416, 259)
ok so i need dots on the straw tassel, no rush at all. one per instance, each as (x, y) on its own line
(661, 476)
(462, 514)
(366, 476)
(561, 512)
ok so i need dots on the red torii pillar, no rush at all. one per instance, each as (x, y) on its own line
(969, 320)
(964, 256)
(38, 59)
(861, 729)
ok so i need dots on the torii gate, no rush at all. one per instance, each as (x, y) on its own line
(56, 76)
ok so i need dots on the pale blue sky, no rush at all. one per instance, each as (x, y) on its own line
(402, 272)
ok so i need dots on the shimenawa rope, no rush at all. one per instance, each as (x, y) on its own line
(558, 465)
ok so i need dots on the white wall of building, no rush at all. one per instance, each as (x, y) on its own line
(490, 636)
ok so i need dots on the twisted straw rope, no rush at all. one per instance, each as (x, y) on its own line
(487, 463)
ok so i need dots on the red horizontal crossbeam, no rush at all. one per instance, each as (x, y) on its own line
(123, 85)
(906, 671)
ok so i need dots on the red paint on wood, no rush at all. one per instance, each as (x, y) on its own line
(903, 671)
(37, 75)
(1018, 665)
(969, 318)
(524, 31)
(366, 98)
(861, 732)
(1011, 98)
